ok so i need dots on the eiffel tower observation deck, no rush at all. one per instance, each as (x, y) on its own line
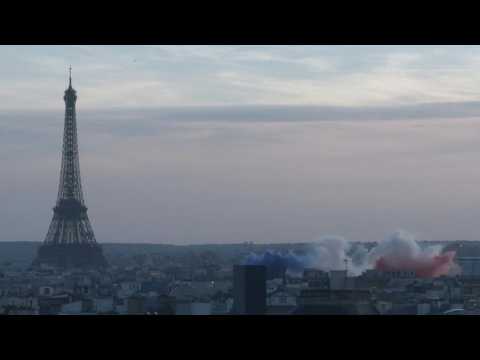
(70, 241)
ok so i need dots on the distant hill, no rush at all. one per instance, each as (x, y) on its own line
(21, 254)
(18, 253)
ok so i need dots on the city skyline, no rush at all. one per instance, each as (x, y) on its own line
(263, 144)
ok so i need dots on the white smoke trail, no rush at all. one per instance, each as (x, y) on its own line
(336, 253)
(399, 251)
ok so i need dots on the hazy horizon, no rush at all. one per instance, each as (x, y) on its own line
(223, 144)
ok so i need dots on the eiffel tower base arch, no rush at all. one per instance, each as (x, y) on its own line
(82, 256)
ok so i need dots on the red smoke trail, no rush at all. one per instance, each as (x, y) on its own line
(423, 267)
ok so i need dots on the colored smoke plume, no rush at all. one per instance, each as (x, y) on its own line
(276, 263)
(401, 252)
(329, 253)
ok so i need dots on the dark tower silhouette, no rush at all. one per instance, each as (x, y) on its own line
(70, 241)
(249, 289)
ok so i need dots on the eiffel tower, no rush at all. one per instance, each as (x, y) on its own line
(70, 241)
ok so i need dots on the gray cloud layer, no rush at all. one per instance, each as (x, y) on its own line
(259, 113)
(195, 144)
(219, 175)
(153, 76)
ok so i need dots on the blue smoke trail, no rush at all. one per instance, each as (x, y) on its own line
(277, 263)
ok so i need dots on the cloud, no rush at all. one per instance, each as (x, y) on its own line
(162, 176)
(217, 144)
(153, 76)
(284, 113)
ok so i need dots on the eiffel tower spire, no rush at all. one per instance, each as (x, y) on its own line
(70, 241)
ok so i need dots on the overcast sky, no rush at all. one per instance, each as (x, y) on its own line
(212, 144)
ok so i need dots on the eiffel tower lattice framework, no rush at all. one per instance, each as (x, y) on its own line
(70, 241)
